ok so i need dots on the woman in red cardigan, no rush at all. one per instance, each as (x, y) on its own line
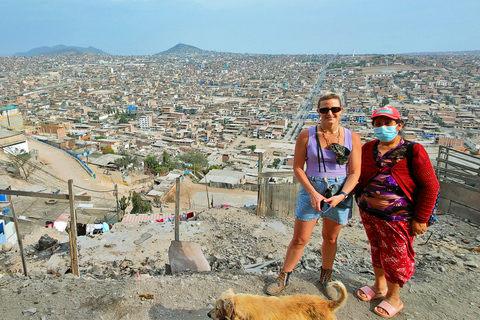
(395, 201)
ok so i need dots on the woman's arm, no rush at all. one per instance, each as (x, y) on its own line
(354, 168)
(298, 169)
(427, 184)
(428, 187)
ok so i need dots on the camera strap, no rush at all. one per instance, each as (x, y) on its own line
(319, 149)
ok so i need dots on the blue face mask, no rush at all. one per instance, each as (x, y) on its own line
(385, 133)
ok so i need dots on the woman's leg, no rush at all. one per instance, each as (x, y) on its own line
(330, 231)
(400, 265)
(302, 231)
(301, 235)
(380, 285)
(372, 231)
(393, 297)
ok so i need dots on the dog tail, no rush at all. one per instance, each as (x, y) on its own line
(335, 304)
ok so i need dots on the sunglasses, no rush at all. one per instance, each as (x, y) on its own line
(325, 110)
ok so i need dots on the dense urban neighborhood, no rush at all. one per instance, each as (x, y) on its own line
(204, 134)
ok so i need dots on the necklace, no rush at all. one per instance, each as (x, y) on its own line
(335, 132)
(323, 131)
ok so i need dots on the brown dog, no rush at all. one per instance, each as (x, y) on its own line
(233, 306)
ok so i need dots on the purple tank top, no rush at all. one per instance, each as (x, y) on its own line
(333, 168)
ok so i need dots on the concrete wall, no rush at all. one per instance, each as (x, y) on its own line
(15, 121)
(460, 200)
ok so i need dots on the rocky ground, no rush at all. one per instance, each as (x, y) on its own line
(122, 269)
(116, 270)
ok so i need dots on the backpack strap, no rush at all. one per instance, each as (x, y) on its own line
(409, 156)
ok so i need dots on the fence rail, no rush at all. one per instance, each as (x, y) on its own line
(459, 176)
(458, 167)
(80, 161)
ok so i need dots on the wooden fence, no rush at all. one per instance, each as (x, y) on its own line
(459, 176)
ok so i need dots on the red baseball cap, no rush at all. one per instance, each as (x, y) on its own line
(387, 111)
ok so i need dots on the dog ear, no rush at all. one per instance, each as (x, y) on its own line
(228, 306)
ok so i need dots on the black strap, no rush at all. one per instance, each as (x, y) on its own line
(409, 156)
(319, 147)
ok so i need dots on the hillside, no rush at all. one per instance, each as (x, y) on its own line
(183, 49)
(116, 268)
(58, 49)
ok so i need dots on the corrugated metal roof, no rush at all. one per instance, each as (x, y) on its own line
(145, 217)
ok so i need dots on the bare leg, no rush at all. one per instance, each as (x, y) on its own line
(330, 231)
(380, 285)
(393, 297)
(302, 232)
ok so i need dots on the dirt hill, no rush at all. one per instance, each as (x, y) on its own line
(119, 266)
(115, 272)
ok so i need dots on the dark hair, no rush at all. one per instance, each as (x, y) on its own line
(329, 96)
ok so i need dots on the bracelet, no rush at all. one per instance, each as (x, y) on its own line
(346, 195)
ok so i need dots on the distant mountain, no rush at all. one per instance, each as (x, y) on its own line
(59, 49)
(181, 49)
(445, 53)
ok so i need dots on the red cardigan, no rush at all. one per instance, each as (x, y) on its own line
(422, 190)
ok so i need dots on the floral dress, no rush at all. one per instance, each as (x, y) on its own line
(383, 197)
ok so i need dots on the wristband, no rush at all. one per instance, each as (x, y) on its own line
(346, 195)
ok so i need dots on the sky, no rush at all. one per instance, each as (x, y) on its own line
(145, 27)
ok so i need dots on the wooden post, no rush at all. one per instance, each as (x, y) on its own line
(177, 209)
(206, 187)
(259, 181)
(73, 230)
(116, 198)
(19, 236)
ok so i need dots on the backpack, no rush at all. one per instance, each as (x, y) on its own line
(409, 156)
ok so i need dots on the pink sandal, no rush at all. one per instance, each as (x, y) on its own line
(391, 310)
(369, 293)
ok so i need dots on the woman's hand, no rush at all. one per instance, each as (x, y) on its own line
(333, 201)
(418, 228)
(316, 200)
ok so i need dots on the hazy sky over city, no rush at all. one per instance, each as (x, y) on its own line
(144, 27)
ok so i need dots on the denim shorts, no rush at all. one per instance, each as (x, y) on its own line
(305, 211)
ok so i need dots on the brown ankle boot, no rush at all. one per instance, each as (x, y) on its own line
(325, 278)
(282, 282)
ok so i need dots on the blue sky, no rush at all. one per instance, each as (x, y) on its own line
(143, 27)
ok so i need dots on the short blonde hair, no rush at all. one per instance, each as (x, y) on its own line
(329, 96)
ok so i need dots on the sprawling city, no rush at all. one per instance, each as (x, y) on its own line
(206, 139)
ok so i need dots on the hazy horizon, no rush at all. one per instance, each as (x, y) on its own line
(146, 27)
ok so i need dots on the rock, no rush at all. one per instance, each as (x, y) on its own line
(471, 264)
(35, 272)
(46, 242)
(29, 312)
(219, 258)
(187, 256)
(96, 269)
(6, 247)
